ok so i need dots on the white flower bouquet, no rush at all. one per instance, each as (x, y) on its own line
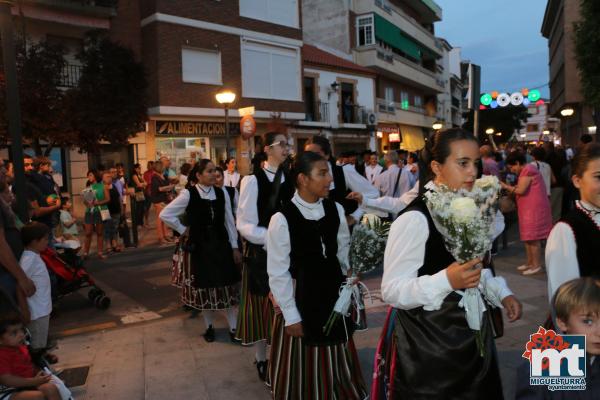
(367, 246)
(466, 221)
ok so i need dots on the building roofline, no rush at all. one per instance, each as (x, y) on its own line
(549, 17)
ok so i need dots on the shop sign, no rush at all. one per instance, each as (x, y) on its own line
(195, 128)
(248, 126)
(393, 133)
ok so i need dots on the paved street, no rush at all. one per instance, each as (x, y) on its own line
(146, 347)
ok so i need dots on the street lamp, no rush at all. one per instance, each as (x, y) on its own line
(567, 112)
(437, 125)
(225, 98)
(489, 131)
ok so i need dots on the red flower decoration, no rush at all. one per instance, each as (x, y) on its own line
(544, 339)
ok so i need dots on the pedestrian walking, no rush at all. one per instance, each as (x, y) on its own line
(373, 169)
(262, 195)
(232, 192)
(210, 245)
(161, 196)
(111, 225)
(533, 206)
(138, 184)
(573, 243)
(95, 212)
(147, 192)
(307, 258)
(231, 177)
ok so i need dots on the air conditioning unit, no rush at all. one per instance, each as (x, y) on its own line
(371, 118)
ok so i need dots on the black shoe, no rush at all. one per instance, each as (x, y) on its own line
(232, 336)
(209, 335)
(261, 367)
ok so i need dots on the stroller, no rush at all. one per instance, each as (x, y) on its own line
(68, 275)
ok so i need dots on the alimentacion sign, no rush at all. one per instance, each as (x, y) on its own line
(195, 128)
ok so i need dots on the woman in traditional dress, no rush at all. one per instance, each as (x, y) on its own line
(307, 261)
(234, 195)
(427, 349)
(210, 248)
(261, 196)
(572, 247)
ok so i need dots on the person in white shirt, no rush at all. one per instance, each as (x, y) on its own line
(345, 180)
(373, 169)
(420, 279)
(210, 247)
(261, 195)
(394, 181)
(573, 243)
(231, 177)
(539, 154)
(35, 239)
(307, 261)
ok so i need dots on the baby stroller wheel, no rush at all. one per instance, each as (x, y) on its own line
(93, 293)
(102, 302)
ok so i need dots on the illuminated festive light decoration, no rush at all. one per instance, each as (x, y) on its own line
(526, 102)
(494, 104)
(534, 95)
(516, 99)
(486, 99)
(482, 107)
(540, 102)
(524, 91)
(494, 94)
(503, 99)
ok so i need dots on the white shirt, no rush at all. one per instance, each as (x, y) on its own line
(230, 179)
(40, 304)
(170, 214)
(247, 212)
(387, 182)
(356, 183)
(561, 253)
(401, 286)
(278, 256)
(391, 205)
(372, 172)
(546, 172)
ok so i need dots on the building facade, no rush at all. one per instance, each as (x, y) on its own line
(565, 86)
(449, 103)
(329, 81)
(540, 125)
(396, 39)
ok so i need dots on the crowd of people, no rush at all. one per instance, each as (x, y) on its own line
(270, 250)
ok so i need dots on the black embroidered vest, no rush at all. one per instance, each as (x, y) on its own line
(587, 239)
(339, 193)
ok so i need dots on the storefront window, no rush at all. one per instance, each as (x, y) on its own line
(182, 149)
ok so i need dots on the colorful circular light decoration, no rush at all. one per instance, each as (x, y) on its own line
(503, 99)
(526, 101)
(486, 99)
(534, 95)
(524, 91)
(540, 102)
(516, 99)
(494, 94)
(494, 104)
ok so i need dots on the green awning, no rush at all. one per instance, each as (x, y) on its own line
(394, 37)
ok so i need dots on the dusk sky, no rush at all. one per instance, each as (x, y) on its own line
(503, 37)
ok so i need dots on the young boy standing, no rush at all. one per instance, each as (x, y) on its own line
(35, 240)
(19, 379)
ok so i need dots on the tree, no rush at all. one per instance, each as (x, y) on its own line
(40, 68)
(501, 119)
(587, 54)
(109, 103)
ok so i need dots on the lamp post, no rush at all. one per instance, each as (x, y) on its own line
(13, 111)
(225, 98)
(437, 125)
(567, 112)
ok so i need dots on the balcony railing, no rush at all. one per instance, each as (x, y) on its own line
(391, 107)
(70, 76)
(389, 56)
(320, 113)
(353, 114)
(93, 3)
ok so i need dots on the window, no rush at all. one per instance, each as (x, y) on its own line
(404, 103)
(365, 31)
(389, 98)
(281, 12)
(418, 101)
(533, 127)
(309, 98)
(201, 66)
(270, 72)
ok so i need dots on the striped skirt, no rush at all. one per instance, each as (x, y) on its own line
(386, 359)
(302, 372)
(218, 298)
(255, 316)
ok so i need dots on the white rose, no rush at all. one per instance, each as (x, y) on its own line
(486, 181)
(463, 209)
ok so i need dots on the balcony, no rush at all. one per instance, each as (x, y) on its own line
(402, 20)
(319, 113)
(394, 113)
(70, 76)
(398, 68)
(95, 8)
(353, 114)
